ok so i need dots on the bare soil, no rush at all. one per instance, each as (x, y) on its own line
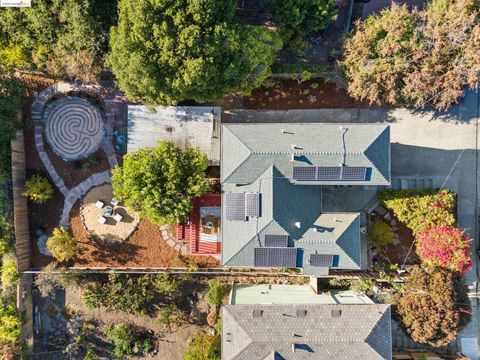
(284, 94)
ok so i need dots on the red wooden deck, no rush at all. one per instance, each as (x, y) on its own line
(190, 232)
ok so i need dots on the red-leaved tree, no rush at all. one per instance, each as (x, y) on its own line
(445, 246)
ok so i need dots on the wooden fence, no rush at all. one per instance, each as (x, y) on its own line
(20, 208)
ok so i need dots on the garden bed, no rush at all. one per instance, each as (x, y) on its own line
(400, 249)
(284, 94)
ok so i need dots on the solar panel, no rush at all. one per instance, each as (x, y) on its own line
(304, 173)
(353, 173)
(321, 260)
(329, 173)
(235, 206)
(276, 240)
(275, 257)
(252, 204)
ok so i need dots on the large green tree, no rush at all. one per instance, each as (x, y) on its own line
(434, 306)
(297, 18)
(415, 58)
(163, 52)
(160, 183)
(66, 38)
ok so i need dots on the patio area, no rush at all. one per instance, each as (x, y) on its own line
(106, 219)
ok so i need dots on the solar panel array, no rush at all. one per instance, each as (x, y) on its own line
(239, 206)
(252, 204)
(275, 257)
(276, 240)
(235, 206)
(329, 173)
(321, 260)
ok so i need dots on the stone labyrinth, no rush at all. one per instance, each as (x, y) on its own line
(74, 128)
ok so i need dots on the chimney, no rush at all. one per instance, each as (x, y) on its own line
(292, 157)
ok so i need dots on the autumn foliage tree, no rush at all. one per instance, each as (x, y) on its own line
(434, 306)
(415, 58)
(445, 246)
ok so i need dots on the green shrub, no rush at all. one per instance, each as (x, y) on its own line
(10, 324)
(10, 275)
(215, 293)
(420, 209)
(169, 315)
(203, 347)
(380, 234)
(38, 189)
(122, 337)
(129, 293)
(362, 286)
(340, 284)
(62, 245)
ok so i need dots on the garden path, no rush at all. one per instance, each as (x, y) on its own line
(111, 111)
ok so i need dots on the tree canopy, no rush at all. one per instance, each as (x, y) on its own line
(415, 58)
(159, 183)
(167, 51)
(434, 306)
(297, 18)
(65, 38)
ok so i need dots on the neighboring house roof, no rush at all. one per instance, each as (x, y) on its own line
(252, 148)
(186, 126)
(306, 332)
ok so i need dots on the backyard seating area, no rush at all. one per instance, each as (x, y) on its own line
(104, 217)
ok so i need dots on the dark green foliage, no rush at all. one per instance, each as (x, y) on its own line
(297, 18)
(434, 306)
(129, 293)
(64, 37)
(169, 315)
(167, 51)
(215, 293)
(122, 337)
(204, 347)
(12, 97)
(159, 183)
(380, 234)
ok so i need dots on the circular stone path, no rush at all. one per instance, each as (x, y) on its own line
(74, 128)
(111, 230)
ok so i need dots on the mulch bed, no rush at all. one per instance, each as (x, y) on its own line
(397, 253)
(144, 248)
(284, 94)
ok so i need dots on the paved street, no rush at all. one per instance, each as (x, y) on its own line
(428, 147)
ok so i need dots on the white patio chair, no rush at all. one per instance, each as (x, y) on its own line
(99, 204)
(118, 217)
(102, 220)
(114, 202)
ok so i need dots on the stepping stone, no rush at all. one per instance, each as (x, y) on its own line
(387, 217)
(393, 222)
(380, 210)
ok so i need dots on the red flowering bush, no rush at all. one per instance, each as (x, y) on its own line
(445, 246)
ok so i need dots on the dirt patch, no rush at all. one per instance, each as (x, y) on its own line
(401, 250)
(284, 94)
(144, 248)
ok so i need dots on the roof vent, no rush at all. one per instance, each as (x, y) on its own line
(292, 157)
(283, 131)
(336, 313)
(293, 146)
(301, 313)
(298, 224)
(257, 313)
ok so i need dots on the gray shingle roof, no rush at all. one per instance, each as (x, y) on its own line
(361, 332)
(252, 148)
(257, 158)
